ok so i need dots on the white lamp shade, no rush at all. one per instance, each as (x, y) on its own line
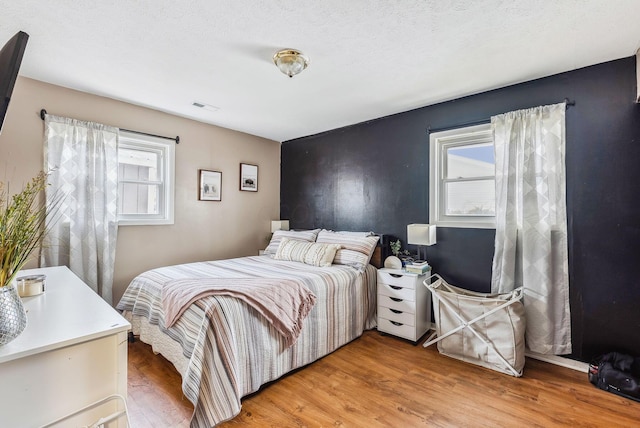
(421, 234)
(279, 225)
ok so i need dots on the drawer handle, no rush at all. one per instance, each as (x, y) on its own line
(395, 299)
(395, 287)
(398, 324)
(396, 275)
(395, 311)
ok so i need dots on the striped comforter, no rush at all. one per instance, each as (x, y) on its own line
(235, 350)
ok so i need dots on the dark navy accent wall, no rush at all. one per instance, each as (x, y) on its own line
(375, 176)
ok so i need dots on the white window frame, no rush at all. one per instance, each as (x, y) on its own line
(439, 142)
(166, 149)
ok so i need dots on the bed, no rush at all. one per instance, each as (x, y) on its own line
(226, 348)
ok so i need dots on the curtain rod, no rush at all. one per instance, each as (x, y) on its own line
(481, 121)
(43, 112)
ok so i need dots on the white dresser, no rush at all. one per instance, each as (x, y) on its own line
(72, 353)
(404, 303)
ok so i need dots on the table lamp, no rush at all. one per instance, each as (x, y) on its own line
(421, 234)
(279, 225)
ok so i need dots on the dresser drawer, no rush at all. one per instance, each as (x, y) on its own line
(398, 278)
(397, 292)
(397, 316)
(397, 329)
(397, 304)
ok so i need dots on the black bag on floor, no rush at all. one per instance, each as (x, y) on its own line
(617, 373)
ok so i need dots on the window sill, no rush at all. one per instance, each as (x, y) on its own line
(465, 225)
(159, 222)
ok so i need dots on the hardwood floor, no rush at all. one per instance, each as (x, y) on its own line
(154, 396)
(382, 381)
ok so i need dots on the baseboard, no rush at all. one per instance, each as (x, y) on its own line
(559, 361)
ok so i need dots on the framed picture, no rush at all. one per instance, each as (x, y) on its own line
(248, 177)
(209, 185)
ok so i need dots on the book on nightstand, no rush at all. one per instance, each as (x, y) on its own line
(419, 269)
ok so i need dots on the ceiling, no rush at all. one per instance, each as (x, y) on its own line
(368, 59)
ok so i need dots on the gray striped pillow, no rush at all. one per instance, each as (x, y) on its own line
(310, 253)
(300, 235)
(356, 250)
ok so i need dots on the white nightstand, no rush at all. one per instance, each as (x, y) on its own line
(404, 303)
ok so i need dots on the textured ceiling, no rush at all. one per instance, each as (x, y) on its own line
(368, 58)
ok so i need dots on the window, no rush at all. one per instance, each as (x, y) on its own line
(145, 180)
(462, 178)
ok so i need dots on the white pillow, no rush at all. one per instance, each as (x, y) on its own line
(300, 235)
(310, 253)
(356, 250)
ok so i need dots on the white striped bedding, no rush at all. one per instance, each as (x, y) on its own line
(236, 351)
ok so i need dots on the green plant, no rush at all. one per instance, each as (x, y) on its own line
(22, 226)
(396, 249)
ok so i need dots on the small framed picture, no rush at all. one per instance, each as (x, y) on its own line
(248, 177)
(209, 185)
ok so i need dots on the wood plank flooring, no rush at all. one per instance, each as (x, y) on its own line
(381, 381)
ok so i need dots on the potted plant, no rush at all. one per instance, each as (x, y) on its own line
(22, 227)
(403, 255)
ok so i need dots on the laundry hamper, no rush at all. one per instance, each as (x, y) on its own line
(482, 329)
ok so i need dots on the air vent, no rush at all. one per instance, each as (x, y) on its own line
(205, 106)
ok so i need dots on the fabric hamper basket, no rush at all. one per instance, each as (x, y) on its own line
(482, 329)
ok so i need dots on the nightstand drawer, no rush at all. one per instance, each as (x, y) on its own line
(397, 329)
(397, 304)
(398, 278)
(397, 292)
(397, 316)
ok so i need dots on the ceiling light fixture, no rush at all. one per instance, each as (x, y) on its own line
(290, 61)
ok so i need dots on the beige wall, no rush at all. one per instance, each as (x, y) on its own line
(236, 226)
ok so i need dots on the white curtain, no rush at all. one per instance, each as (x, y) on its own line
(83, 160)
(531, 222)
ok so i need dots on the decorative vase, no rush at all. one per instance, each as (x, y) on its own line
(392, 262)
(13, 317)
